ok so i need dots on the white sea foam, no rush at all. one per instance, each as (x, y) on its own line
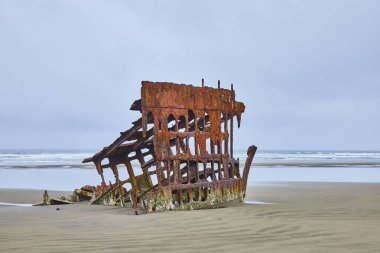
(15, 204)
(24, 159)
(63, 170)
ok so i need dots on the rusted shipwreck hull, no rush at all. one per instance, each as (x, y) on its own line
(183, 143)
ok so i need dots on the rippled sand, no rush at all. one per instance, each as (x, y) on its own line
(304, 217)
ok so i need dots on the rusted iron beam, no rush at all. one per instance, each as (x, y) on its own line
(250, 154)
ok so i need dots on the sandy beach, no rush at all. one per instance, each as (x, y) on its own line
(303, 217)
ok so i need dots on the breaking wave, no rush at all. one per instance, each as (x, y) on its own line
(71, 159)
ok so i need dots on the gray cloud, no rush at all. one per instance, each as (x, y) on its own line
(308, 71)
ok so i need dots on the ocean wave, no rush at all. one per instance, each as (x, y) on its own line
(72, 159)
(48, 166)
(254, 164)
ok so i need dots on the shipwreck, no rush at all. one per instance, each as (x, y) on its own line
(183, 144)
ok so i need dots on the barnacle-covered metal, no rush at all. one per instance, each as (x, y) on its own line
(183, 143)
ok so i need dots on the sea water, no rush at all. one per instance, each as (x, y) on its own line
(64, 170)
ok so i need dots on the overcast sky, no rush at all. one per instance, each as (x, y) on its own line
(307, 71)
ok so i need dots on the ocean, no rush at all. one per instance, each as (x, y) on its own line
(63, 169)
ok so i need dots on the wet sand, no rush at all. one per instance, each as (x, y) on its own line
(304, 217)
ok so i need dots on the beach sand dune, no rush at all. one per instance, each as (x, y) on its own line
(303, 217)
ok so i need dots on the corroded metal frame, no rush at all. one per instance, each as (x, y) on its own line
(184, 145)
